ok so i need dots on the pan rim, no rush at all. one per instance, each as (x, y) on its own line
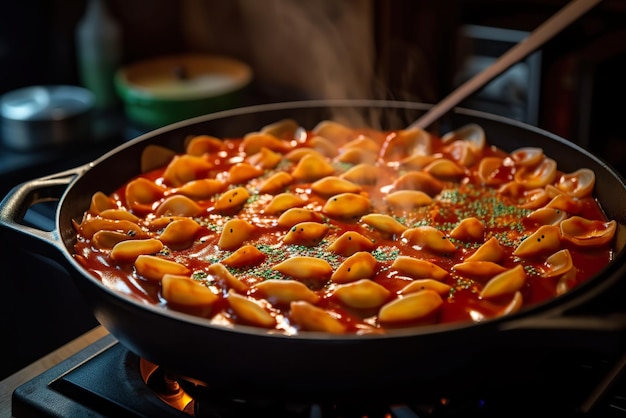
(554, 305)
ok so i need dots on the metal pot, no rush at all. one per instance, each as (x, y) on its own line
(40, 116)
(397, 364)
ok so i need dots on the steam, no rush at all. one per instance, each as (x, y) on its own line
(324, 48)
(301, 49)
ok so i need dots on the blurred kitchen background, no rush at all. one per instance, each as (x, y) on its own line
(392, 49)
(416, 50)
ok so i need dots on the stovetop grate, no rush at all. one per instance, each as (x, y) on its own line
(104, 380)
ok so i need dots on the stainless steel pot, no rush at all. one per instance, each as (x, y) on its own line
(40, 116)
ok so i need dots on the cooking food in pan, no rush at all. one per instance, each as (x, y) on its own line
(346, 230)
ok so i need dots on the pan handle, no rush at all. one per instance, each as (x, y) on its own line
(22, 197)
(610, 322)
(577, 326)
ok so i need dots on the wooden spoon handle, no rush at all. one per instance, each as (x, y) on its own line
(538, 37)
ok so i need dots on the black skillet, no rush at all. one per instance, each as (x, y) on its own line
(399, 363)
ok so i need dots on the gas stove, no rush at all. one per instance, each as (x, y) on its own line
(105, 379)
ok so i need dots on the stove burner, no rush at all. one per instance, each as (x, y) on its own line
(199, 399)
(105, 379)
(166, 387)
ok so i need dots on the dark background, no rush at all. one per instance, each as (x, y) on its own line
(416, 51)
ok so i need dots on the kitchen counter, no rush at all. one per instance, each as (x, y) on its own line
(8, 385)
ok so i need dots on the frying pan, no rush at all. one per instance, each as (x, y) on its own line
(402, 362)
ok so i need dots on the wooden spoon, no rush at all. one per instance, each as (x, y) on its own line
(538, 37)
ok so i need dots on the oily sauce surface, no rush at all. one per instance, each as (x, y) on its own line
(460, 197)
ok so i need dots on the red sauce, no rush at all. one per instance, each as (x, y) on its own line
(460, 198)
